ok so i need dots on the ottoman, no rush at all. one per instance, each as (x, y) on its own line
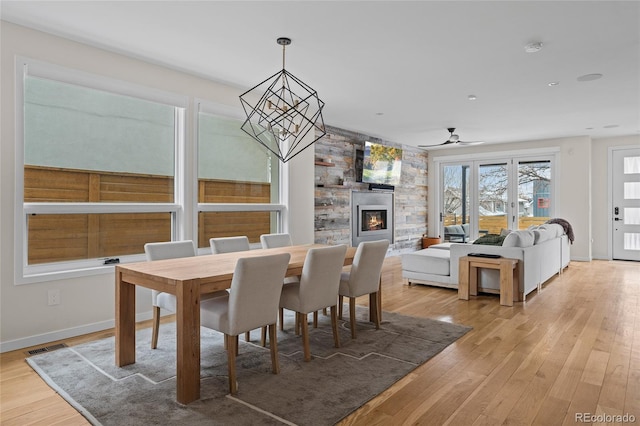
(431, 260)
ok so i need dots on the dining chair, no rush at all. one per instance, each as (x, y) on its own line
(317, 289)
(275, 240)
(363, 278)
(167, 301)
(252, 302)
(229, 244)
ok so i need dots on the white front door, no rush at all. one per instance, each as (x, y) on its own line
(626, 204)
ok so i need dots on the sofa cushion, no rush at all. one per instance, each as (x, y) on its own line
(520, 238)
(555, 229)
(541, 235)
(430, 261)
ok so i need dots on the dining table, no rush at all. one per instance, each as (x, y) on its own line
(188, 278)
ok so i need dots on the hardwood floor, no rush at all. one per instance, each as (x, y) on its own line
(572, 348)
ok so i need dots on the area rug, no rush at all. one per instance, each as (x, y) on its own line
(336, 382)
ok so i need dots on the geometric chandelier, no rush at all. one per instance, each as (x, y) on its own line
(286, 111)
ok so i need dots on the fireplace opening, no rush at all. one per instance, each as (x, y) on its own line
(373, 220)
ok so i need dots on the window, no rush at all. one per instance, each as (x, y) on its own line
(97, 169)
(238, 180)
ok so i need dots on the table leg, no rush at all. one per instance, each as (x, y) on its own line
(473, 279)
(378, 301)
(463, 280)
(517, 296)
(125, 321)
(506, 283)
(188, 340)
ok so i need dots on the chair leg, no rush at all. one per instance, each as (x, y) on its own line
(374, 311)
(231, 360)
(273, 342)
(281, 319)
(247, 336)
(315, 319)
(263, 337)
(340, 301)
(305, 337)
(297, 326)
(155, 327)
(324, 311)
(334, 326)
(352, 316)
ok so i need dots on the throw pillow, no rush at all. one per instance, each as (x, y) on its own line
(523, 238)
(490, 240)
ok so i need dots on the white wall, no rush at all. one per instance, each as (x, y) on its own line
(573, 183)
(600, 190)
(87, 304)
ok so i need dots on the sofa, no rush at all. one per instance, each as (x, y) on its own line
(543, 251)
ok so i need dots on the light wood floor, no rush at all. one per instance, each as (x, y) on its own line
(572, 348)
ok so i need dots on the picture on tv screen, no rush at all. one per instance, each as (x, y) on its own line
(381, 164)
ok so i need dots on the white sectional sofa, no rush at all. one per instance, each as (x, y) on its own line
(542, 251)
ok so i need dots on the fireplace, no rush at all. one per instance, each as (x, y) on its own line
(372, 217)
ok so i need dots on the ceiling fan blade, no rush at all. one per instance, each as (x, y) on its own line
(469, 143)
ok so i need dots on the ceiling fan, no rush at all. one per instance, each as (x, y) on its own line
(453, 140)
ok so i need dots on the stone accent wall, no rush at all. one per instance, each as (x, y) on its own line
(335, 178)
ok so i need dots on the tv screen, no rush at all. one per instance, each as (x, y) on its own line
(381, 164)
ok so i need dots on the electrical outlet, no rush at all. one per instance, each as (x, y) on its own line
(54, 297)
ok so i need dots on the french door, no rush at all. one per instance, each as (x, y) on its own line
(626, 204)
(489, 196)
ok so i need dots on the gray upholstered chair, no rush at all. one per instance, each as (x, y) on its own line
(229, 244)
(160, 300)
(317, 289)
(363, 278)
(252, 303)
(275, 240)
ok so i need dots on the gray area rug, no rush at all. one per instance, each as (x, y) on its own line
(335, 383)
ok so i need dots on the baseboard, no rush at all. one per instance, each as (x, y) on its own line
(67, 333)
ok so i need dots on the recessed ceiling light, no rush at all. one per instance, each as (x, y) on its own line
(379, 113)
(533, 47)
(472, 97)
(553, 83)
(589, 77)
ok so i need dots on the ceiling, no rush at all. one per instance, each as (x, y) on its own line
(400, 71)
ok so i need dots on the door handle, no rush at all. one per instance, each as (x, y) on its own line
(617, 218)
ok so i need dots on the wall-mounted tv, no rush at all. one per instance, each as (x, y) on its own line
(381, 164)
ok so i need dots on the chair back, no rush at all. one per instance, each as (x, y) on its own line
(275, 240)
(229, 244)
(254, 296)
(320, 277)
(367, 267)
(169, 250)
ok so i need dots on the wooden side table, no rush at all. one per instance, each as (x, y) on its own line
(429, 241)
(509, 277)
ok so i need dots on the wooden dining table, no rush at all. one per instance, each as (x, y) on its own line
(187, 278)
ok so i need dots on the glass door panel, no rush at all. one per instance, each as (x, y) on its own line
(534, 193)
(492, 198)
(456, 200)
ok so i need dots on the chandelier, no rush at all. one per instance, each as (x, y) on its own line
(287, 110)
